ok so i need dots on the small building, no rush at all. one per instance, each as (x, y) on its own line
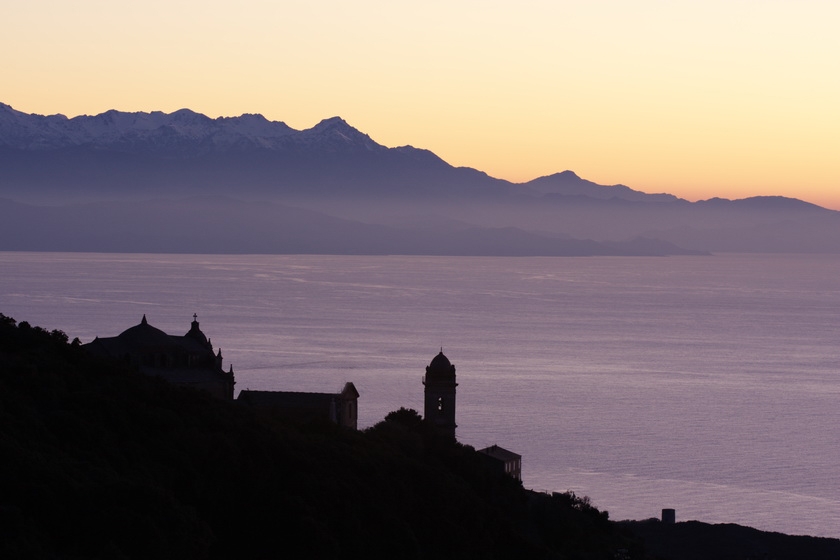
(503, 461)
(342, 408)
(186, 360)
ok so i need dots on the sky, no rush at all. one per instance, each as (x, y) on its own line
(696, 98)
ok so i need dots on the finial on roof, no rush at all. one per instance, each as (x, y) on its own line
(143, 321)
(195, 316)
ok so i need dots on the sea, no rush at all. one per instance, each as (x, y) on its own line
(710, 384)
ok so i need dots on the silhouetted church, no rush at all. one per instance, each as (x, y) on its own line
(189, 361)
(439, 402)
(183, 360)
(340, 408)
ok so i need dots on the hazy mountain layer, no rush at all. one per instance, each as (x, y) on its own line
(358, 196)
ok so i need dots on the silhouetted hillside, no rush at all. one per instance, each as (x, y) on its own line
(692, 540)
(99, 461)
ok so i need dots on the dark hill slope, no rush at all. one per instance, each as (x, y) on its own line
(98, 461)
(693, 540)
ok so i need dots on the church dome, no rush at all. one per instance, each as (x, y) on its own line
(440, 362)
(440, 368)
(196, 334)
(144, 334)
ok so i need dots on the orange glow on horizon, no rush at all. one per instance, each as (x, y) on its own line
(728, 99)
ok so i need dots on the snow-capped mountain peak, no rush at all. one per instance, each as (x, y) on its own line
(120, 130)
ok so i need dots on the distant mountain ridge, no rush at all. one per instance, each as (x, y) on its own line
(122, 153)
(186, 134)
(124, 130)
(337, 172)
(192, 133)
(567, 183)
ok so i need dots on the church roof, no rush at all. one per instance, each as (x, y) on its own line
(500, 453)
(144, 338)
(195, 332)
(440, 368)
(184, 360)
(286, 399)
(144, 334)
(440, 362)
(291, 399)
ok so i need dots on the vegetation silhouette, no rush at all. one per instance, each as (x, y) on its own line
(100, 461)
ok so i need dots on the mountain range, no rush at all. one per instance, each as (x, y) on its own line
(185, 182)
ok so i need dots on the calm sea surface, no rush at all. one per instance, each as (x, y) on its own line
(707, 384)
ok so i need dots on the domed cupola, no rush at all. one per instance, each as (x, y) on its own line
(144, 335)
(439, 399)
(196, 334)
(440, 368)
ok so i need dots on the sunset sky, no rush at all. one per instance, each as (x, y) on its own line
(697, 98)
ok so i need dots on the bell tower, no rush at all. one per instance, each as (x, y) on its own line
(439, 403)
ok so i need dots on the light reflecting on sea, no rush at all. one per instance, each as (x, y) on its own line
(706, 384)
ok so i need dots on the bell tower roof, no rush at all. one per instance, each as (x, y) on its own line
(440, 368)
(440, 361)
